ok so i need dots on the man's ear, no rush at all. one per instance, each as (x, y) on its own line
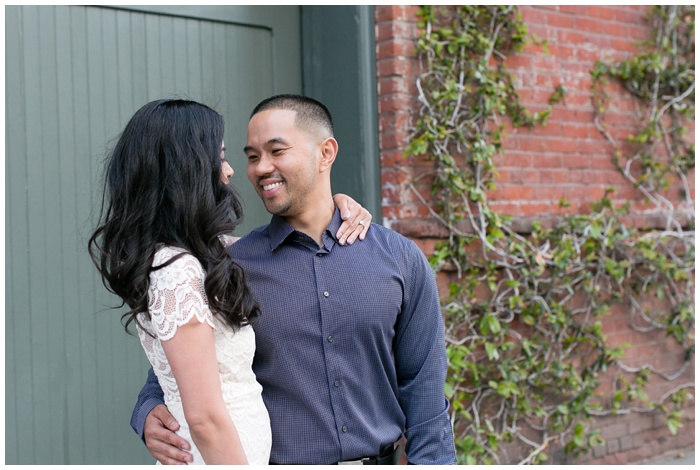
(329, 149)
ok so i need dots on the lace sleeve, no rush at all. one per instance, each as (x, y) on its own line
(176, 294)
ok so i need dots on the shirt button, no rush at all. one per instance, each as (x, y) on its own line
(330, 339)
(326, 294)
(345, 429)
(337, 383)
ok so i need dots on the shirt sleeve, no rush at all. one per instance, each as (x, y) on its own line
(421, 365)
(150, 396)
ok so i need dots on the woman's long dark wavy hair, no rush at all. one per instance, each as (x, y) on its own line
(163, 186)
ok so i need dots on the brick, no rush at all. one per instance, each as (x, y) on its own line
(626, 443)
(395, 67)
(396, 48)
(513, 159)
(532, 14)
(549, 193)
(605, 13)
(571, 37)
(613, 446)
(599, 451)
(532, 144)
(394, 103)
(394, 140)
(517, 193)
(593, 177)
(565, 147)
(394, 121)
(548, 161)
(637, 32)
(595, 25)
(560, 20)
(394, 12)
(541, 31)
(396, 29)
(615, 430)
(396, 85)
(507, 208)
(392, 158)
(518, 61)
(631, 15)
(524, 176)
(573, 130)
(554, 176)
(545, 63)
(527, 208)
(578, 10)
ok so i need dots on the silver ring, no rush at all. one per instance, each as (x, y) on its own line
(362, 223)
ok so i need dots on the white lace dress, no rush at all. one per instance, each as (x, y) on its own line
(176, 294)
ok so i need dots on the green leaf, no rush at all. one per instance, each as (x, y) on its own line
(491, 351)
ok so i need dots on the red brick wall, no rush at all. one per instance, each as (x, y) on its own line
(568, 158)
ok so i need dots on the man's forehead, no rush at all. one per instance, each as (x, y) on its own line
(272, 121)
(276, 113)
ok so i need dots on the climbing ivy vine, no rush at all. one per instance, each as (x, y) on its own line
(525, 315)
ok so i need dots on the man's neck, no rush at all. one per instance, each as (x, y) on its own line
(314, 221)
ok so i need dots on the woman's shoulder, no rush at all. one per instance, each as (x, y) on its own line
(185, 261)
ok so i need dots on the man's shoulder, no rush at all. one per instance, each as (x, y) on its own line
(254, 238)
(387, 235)
(400, 246)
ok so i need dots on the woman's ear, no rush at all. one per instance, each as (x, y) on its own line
(329, 149)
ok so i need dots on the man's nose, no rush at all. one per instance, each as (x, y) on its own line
(264, 166)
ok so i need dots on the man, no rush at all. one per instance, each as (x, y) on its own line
(350, 343)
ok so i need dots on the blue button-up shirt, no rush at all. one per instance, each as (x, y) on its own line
(350, 345)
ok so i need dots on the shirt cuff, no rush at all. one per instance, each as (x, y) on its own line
(432, 442)
(138, 420)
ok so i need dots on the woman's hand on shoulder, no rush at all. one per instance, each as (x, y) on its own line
(356, 219)
(228, 240)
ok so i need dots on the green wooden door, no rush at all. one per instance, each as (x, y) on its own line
(74, 75)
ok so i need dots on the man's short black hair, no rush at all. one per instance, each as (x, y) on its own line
(311, 114)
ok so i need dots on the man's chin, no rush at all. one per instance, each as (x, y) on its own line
(276, 209)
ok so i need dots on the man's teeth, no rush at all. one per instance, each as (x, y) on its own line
(268, 187)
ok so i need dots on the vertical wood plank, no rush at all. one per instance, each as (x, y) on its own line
(17, 336)
(38, 351)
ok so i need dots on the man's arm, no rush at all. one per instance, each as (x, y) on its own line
(151, 396)
(421, 366)
(154, 424)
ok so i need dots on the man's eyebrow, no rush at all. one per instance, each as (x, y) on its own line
(274, 140)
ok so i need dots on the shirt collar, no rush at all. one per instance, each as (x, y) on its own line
(280, 230)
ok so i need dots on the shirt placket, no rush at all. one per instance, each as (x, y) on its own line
(332, 345)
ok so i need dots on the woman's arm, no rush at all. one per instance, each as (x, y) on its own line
(192, 357)
(352, 214)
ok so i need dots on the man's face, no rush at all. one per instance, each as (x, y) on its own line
(282, 162)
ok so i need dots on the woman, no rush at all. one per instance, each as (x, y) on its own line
(167, 214)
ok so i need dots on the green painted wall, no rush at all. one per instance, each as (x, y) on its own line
(74, 76)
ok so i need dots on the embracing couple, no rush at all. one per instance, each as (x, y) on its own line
(291, 345)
